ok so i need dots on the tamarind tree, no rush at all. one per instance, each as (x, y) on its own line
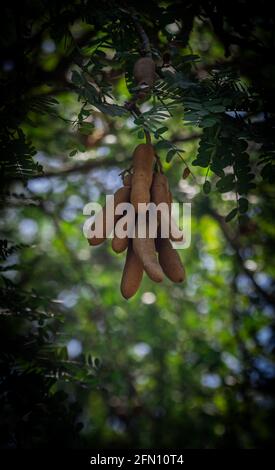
(83, 84)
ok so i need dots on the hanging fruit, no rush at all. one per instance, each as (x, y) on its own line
(145, 75)
(150, 252)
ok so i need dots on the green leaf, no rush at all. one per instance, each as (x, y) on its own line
(86, 128)
(161, 130)
(81, 147)
(202, 160)
(96, 362)
(268, 172)
(138, 121)
(244, 186)
(207, 187)
(77, 78)
(100, 53)
(217, 170)
(215, 108)
(85, 112)
(73, 152)
(111, 109)
(170, 155)
(242, 146)
(226, 184)
(140, 135)
(163, 144)
(208, 122)
(191, 117)
(197, 106)
(231, 215)
(243, 205)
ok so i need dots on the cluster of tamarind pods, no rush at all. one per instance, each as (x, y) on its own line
(154, 255)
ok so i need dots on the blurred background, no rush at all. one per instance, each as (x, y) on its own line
(188, 366)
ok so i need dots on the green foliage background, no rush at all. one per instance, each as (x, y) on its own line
(187, 366)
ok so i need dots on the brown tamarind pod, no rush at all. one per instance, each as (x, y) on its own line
(175, 233)
(170, 261)
(160, 189)
(127, 180)
(119, 244)
(160, 193)
(120, 196)
(170, 201)
(146, 251)
(132, 274)
(143, 159)
(140, 193)
(145, 72)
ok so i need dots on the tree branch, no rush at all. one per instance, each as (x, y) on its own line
(186, 138)
(145, 43)
(85, 168)
(103, 162)
(270, 298)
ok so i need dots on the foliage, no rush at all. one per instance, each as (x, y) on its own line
(32, 362)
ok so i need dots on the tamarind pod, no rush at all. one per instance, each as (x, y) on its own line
(127, 180)
(175, 234)
(143, 159)
(120, 196)
(97, 240)
(132, 274)
(119, 244)
(140, 193)
(145, 71)
(146, 252)
(170, 261)
(169, 227)
(160, 190)
(170, 201)
(160, 193)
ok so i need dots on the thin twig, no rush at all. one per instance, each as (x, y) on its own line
(188, 138)
(145, 43)
(85, 168)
